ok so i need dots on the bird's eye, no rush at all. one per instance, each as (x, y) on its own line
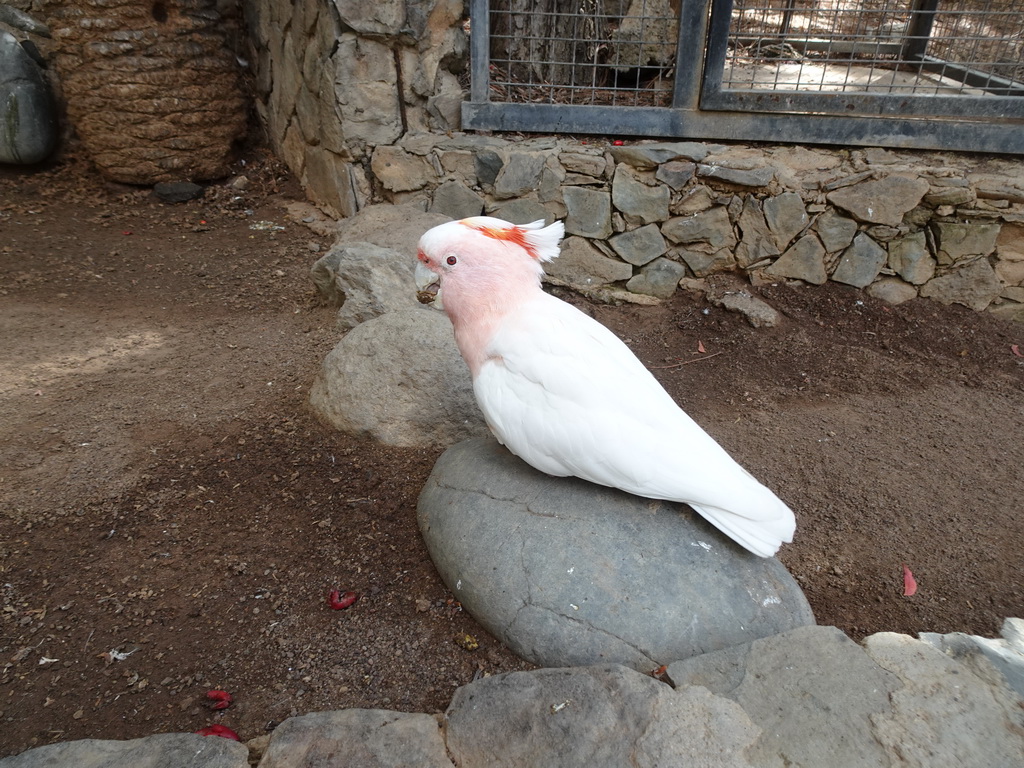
(451, 261)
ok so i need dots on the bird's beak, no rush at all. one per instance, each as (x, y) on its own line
(428, 286)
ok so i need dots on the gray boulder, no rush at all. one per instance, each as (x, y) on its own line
(365, 281)
(368, 738)
(166, 750)
(812, 691)
(399, 379)
(398, 227)
(565, 572)
(28, 113)
(596, 717)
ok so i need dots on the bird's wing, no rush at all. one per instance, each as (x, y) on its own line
(563, 393)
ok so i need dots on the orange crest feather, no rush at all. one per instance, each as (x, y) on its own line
(512, 234)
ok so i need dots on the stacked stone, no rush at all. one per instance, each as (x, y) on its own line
(644, 218)
(336, 79)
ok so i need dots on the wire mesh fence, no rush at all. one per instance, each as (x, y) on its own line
(623, 52)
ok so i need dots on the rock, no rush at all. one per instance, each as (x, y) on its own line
(892, 290)
(755, 177)
(399, 379)
(593, 717)
(398, 227)
(758, 312)
(805, 260)
(976, 721)
(647, 156)
(1005, 653)
(177, 191)
(1010, 272)
(702, 263)
(676, 173)
(882, 201)
(974, 285)
(861, 262)
(756, 242)
(368, 738)
(658, 278)
(588, 212)
(835, 231)
(519, 175)
(584, 163)
(638, 202)
(165, 750)
(488, 166)
(456, 200)
(580, 265)
(955, 242)
(1011, 310)
(639, 246)
(949, 196)
(28, 113)
(522, 211)
(695, 200)
(565, 572)
(909, 258)
(365, 281)
(20, 20)
(400, 171)
(809, 690)
(711, 226)
(786, 217)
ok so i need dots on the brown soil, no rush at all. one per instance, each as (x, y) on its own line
(173, 515)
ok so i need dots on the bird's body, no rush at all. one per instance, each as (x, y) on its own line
(563, 393)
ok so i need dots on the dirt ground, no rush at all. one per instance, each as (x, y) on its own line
(173, 515)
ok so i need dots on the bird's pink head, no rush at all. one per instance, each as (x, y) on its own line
(483, 264)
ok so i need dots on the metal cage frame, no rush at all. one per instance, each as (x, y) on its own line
(701, 108)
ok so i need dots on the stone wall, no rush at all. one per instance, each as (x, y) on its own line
(643, 218)
(362, 102)
(334, 79)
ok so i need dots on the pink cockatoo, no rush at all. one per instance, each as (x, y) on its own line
(564, 394)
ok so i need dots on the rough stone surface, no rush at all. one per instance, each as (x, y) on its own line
(892, 290)
(425, 400)
(519, 175)
(589, 212)
(757, 242)
(861, 262)
(910, 259)
(786, 217)
(835, 231)
(711, 226)
(539, 562)
(758, 312)
(640, 202)
(398, 227)
(974, 285)
(676, 173)
(580, 265)
(639, 246)
(702, 263)
(882, 201)
(365, 281)
(400, 171)
(165, 750)
(597, 716)
(456, 200)
(658, 278)
(647, 156)
(522, 211)
(28, 114)
(805, 260)
(956, 242)
(812, 691)
(368, 738)
(1005, 653)
(975, 722)
(755, 177)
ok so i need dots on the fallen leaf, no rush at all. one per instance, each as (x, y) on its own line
(218, 730)
(700, 347)
(1015, 348)
(220, 699)
(909, 582)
